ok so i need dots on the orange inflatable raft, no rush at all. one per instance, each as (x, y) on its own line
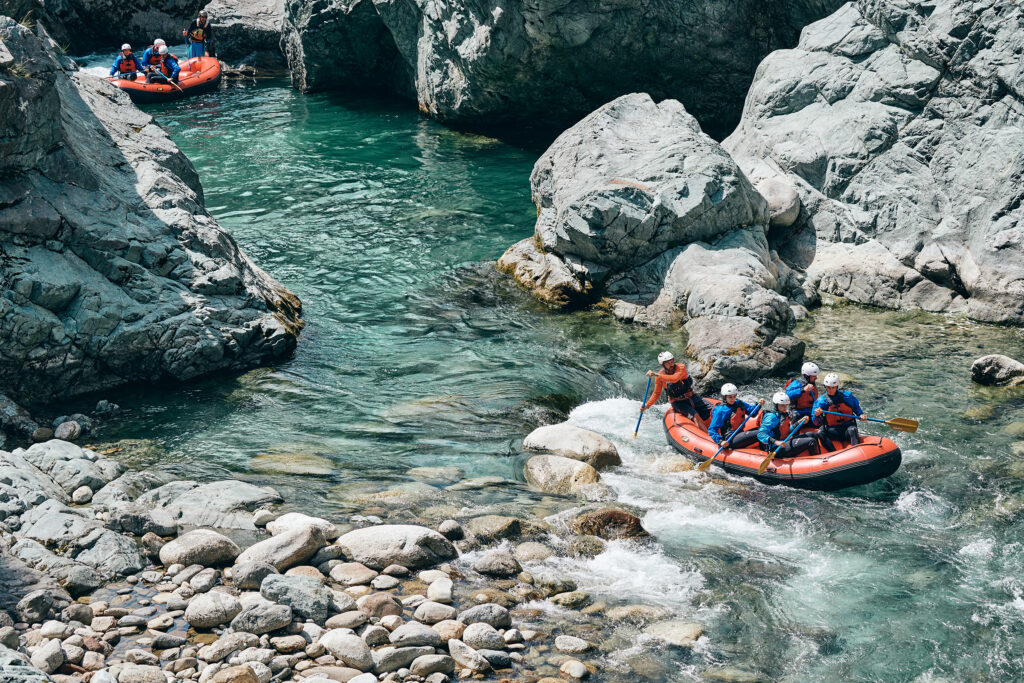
(198, 75)
(872, 459)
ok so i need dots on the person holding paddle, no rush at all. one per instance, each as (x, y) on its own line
(675, 381)
(774, 430)
(836, 413)
(729, 415)
(802, 391)
(166, 68)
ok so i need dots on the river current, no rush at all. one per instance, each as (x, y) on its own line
(418, 354)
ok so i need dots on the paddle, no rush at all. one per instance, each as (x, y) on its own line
(703, 467)
(637, 430)
(771, 456)
(168, 80)
(900, 424)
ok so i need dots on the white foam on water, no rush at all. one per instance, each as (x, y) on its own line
(979, 549)
(97, 71)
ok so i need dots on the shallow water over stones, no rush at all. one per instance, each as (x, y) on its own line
(418, 356)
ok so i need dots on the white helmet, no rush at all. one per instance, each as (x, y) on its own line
(809, 369)
(780, 398)
(162, 50)
(126, 46)
(729, 389)
(831, 380)
(665, 356)
(158, 42)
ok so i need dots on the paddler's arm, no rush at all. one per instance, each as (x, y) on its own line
(659, 384)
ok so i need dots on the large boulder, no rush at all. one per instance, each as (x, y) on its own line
(636, 205)
(340, 44)
(227, 504)
(997, 369)
(286, 549)
(899, 127)
(214, 608)
(609, 523)
(200, 546)
(555, 474)
(71, 466)
(114, 271)
(497, 62)
(405, 544)
(570, 441)
(248, 32)
(307, 597)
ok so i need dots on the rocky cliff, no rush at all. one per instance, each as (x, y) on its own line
(901, 128)
(81, 26)
(111, 270)
(640, 210)
(248, 33)
(549, 62)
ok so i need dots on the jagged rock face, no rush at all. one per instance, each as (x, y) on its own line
(546, 63)
(331, 44)
(901, 126)
(85, 25)
(248, 33)
(638, 206)
(112, 270)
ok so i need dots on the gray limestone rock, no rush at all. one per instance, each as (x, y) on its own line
(248, 33)
(260, 619)
(208, 610)
(997, 369)
(906, 160)
(285, 549)
(71, 466)
(636, 205)
(222, 504)
(405, 544)
(307, 597)
(200, 546)
(130, 486)
(573, 442)
(113, 270)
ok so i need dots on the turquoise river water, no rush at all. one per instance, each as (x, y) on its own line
(417, 353)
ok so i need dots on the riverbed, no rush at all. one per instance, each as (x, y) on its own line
(418, 354)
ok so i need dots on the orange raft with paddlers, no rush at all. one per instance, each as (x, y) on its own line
(874, 458)
(198, 75)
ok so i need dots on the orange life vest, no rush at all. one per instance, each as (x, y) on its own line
(839, 407)
(784, 423)
(198, 34)
(129, 65)
(807, 398)
(738, 416)
(166, 70)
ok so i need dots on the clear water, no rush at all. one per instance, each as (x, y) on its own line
(418, 354)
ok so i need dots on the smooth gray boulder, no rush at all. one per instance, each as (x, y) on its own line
(224, 504)
(199, 546)
(71, 466)
(997, 369)
(405, 544)
(130, 486)
(260, 619)
(291, 521)
(571, 441)
(488, 63)
(211, 609)
(638, 207)
(76, 578)
(114, 271)
(906, 158)
(564, 476)
(307, 597)
(286, 549)
(348, 648)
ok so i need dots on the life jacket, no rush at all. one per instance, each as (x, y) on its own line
(739, 414)
(680, 390)
(164, 68)
(198, 33)
(129, 64)
(807, 398)
(784, 423)
(838, 405)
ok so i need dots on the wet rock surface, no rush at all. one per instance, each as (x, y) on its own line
(112, 266)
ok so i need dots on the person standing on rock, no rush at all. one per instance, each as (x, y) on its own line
(166, 67)
(675, 381)
(774, 429)
(837, 400)
(803, 391)
(126, 64)
(728, 416)
(198, 35)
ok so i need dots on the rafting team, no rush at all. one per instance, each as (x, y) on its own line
(157, 63)
(835, 411)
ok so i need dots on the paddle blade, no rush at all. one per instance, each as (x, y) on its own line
(902, 424)
(706, 465)
(764, 463)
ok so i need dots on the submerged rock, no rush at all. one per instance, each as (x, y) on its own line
(907, 162)
(555, 474)
(638, 206)
(114, 271)
(291, 463)
(609, 524)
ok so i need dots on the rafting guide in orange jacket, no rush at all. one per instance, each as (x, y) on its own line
(675, 381)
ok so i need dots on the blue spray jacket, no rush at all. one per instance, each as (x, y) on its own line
(721, 417)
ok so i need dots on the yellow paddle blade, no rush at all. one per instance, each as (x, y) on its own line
(764, 463)
(902, 424)
(704, 466)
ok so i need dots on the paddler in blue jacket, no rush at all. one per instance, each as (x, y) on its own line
(775, 427)
(803, 391)
(727, 418)
(837, 400)
(126, 65)
(151, 55)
